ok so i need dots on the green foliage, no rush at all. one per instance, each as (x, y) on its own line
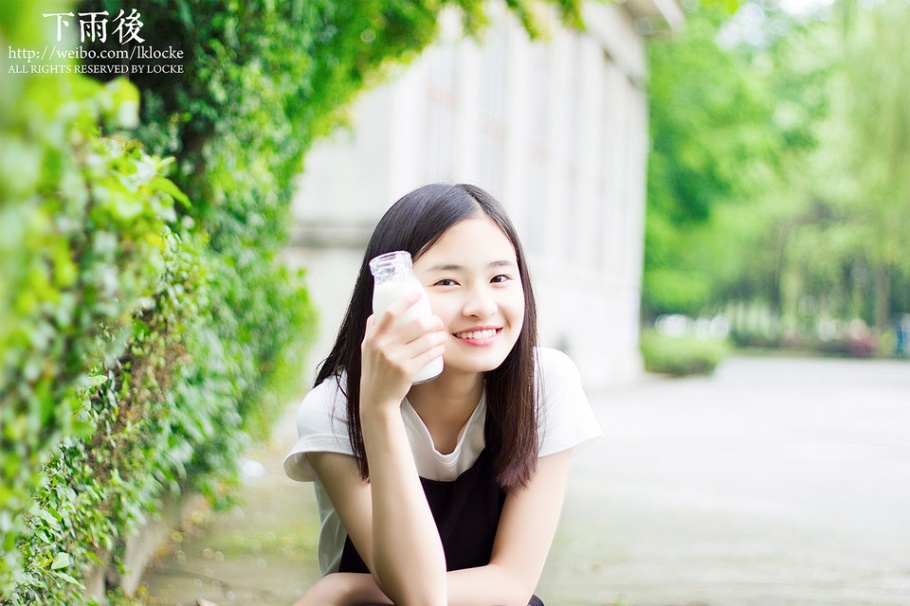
(96, 489)
(779, 178)
(84, 248)
(870, 119)
(116, 382)
(681, 356)
(715, 142)
(729, 122)
(826, 237)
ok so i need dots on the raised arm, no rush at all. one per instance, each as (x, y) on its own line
(407, 555)
(389, 520)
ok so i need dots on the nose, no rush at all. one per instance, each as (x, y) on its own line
(479, 303)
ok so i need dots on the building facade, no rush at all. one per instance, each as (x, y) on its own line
(556, 129)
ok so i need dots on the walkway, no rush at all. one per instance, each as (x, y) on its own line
(775, 482)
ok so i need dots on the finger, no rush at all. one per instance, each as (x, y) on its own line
(370, 330)
(419, 327)
(400, 306)
(428, 356)
(426, 342)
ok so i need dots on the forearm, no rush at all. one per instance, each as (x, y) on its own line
(527, 526)
(407, 555)
(344, 589)
(490, 584)
(484, 585)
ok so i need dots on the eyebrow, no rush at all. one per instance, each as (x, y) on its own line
(455, 267)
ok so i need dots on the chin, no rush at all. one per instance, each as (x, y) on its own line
(477, 363)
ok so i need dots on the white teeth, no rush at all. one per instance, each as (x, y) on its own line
(477, 334)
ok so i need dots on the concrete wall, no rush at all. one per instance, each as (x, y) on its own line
(555, 129)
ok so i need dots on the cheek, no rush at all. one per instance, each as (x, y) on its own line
(441, 307)
(516, 307)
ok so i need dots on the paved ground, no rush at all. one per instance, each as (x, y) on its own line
(775, 482)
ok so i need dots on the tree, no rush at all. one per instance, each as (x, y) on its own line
(811, 220)
(871, 103)
(714, 143)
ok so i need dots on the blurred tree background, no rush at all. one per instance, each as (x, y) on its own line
(779, 178)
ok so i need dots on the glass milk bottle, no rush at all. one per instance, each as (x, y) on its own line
(394, 277)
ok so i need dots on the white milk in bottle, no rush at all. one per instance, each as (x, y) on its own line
(394, 277)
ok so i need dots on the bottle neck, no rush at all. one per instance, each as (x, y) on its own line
(392, 267)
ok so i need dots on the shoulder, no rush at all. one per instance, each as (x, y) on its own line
(555, 361)
(326, 399)
(556, 372)
(321, 427)
(565, 416)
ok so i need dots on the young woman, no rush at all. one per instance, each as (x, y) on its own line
(449, 491)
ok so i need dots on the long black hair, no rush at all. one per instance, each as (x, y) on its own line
(414, 223)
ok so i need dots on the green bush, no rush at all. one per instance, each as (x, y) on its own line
(124, 373)
(680, 356)
(85, 247)
(95, 489)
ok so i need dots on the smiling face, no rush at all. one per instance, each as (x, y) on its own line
(472, 280)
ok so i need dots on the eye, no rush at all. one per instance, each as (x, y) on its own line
(500, 278)
(445, 282)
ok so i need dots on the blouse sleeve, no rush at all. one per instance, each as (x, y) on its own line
(566, 419)
(321, 427)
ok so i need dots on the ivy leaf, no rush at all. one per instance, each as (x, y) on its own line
(47, 517)
(62, 560)
(167, 186)
(67, 578)
(91, 381)
(82, 429)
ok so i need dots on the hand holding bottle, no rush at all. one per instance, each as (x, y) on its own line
(403, 343)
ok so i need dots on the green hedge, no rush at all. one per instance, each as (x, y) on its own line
(130, 366)
(149, 330)
(681, 356)
(83, 249)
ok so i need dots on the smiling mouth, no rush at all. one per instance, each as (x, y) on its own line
(477, 335)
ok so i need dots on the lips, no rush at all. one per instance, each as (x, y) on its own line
(478, 336)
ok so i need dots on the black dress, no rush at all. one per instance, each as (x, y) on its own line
(466, 511)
